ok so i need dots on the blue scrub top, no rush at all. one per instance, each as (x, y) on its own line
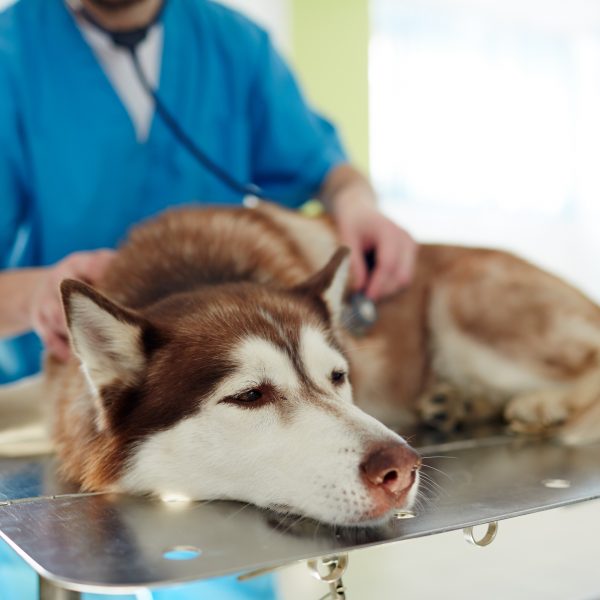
(74, 177)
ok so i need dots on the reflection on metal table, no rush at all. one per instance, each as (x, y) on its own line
(109, 543)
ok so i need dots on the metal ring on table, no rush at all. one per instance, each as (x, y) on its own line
(337, 564)
(486, 540)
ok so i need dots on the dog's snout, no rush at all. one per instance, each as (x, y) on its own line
(391, 467)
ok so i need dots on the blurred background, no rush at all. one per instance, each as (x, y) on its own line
(479, 123)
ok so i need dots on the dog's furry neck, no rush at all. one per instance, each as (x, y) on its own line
(173, 254)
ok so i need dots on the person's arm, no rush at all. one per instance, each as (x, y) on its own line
(351, 200)
(30, 298)
(16, 290)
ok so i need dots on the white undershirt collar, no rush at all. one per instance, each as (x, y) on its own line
(119, 69)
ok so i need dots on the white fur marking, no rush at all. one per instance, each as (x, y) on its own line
(334, 294)
(260, 360)
(320, 359)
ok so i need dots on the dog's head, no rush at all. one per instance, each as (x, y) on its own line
(242, 392)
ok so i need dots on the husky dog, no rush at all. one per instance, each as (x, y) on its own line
(212, 362)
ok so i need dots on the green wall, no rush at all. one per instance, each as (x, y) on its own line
(330, 54)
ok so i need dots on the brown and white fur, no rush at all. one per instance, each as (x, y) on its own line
(213, 364)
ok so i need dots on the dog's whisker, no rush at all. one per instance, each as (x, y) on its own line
(427, 477)
(422, 502)
(239, 510)
(426, 493)
(424, 466)
(430, 482)
(422, 497)
(282, 526)
(316, 530)
(419, 504)
(293, 524)
(425, 485)
(438, 456)
(207, 502)
(425, 499)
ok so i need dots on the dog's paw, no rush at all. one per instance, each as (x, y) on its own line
(447, 408)
(539, 412)
(442, 408)
(584, 428)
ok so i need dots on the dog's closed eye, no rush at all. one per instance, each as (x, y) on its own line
(250, 398)
(338, 377)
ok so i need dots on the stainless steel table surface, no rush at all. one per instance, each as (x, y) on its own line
(110, 543)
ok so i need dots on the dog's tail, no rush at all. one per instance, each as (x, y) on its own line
(23, 422)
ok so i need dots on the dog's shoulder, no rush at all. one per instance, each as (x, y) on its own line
(185, 248)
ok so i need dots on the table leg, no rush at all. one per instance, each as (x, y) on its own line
(50, 591)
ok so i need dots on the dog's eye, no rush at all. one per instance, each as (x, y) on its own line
(254, 397)
(249, 396)
(338, 377)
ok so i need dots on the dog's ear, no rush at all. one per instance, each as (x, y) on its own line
(107, 338)
(329, 284)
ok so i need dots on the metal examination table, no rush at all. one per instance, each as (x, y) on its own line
(115, 544)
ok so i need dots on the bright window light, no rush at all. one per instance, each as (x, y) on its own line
(486, 105)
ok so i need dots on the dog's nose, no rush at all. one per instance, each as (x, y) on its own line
(391, 467)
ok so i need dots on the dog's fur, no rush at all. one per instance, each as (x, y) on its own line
(213, 364)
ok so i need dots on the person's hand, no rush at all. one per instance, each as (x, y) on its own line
(47, 316)
(363, 228)
(350, 198)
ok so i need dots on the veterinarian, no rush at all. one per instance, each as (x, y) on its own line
(83, 156)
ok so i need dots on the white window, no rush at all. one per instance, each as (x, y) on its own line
(485, 119)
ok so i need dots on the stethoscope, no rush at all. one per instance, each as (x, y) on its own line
(360, 314)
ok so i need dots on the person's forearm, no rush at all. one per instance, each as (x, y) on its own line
(350, 199)
(16, 290)
(346, 185)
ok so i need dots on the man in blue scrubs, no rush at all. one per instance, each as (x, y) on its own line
(83, 156)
